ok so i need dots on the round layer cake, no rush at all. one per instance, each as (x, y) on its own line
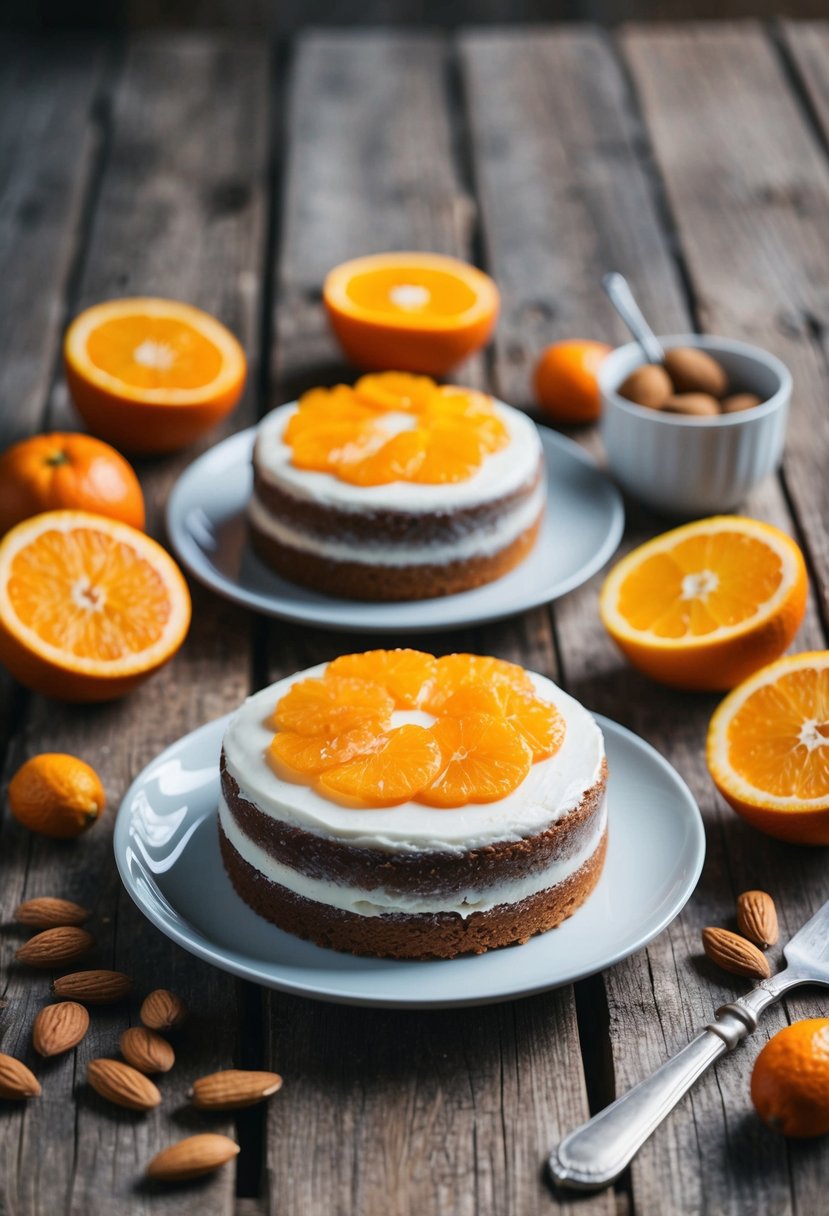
(395, 489)
(389, 804)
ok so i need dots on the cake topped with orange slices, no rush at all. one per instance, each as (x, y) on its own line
(396, 488)
(395, 804)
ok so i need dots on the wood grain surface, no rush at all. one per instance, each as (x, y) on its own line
(694, 159)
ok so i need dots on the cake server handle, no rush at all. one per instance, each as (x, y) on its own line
(596, 1153)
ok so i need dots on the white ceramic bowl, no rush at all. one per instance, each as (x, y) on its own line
(696, 466)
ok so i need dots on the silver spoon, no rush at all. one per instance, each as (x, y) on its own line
(621, 297)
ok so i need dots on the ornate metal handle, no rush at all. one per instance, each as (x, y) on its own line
(596, 1153)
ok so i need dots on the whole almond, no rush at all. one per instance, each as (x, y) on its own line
(122, 1084)
(59, 1027)
(192, 1157)
(48, 913)
(55, 947)
(738, 402)
(93, 987)
(757, 918)
(233, 1089)
(649, 385)
(733, 953)
(694, 371)
(694, 405)
(16, 1080)
(163, 1010)
(146, 1050)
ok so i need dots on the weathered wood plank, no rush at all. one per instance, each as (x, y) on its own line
(48, 136)
(808, 45)
(447, 1112)
(565, 194)
(180, 212)
(753, 219)
(751, 198)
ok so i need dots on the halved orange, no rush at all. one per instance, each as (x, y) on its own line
(768, 748)
(152, 375)
(89, 606)
(417, 312)
(703, 606)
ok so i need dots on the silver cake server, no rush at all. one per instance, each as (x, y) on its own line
(596, 1153)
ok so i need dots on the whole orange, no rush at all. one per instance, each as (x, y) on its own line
(56, 795)
(50, 472)
(565, 380)
(790, 1081)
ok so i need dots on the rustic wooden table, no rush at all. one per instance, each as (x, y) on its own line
(691, 158)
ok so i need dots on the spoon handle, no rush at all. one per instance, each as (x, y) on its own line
(621, 297)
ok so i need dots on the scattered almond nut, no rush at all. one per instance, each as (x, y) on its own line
(233, 1088)
(733, 953)
(48, 913)
(738, 402)
(697, 405)
(122, 1084)
(757, 918)
(191, 1158)
(163, 1010)
(146, 1050)
(16, 1080)
(694, 371)
(649, 385)
(59, 1027)
(55, 947)
(93, 987)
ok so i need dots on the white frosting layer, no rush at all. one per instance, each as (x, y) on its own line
(482, 542)
(379, 901)
(551, 788)
(501, 472)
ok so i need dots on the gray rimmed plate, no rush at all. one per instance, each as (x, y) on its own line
(206, 524)
(167, 852)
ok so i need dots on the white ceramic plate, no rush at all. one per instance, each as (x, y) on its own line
(206, 524)
(167, 851)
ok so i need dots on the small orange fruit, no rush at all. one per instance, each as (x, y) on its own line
(152, 375)
(400, 763)
(565, 380)
(703, 606)
(484, 758)
(50, 472)
(768, 749)
(418, 312)
(89, 607)
(790, 1079)
(56, 795)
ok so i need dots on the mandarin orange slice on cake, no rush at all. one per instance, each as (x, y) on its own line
(484, 758)
(399, 764)
(333, 705)
(406, 675)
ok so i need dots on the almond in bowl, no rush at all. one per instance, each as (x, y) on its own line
(696, 436)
